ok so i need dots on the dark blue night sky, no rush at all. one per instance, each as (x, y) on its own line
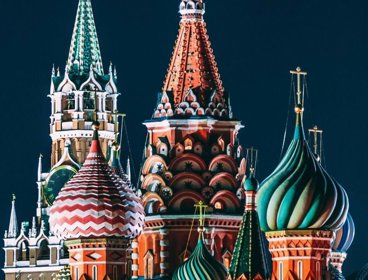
(256, 43)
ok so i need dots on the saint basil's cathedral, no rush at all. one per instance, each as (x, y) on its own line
(197, 211)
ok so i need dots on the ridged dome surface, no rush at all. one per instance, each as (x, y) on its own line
(300, 194)
(200, 266)
(96, 203)
(344, 236)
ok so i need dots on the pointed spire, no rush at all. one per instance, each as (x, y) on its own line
(39, 169)
(249, 259)
(84, 49)
(128, 170)
(193, 64)
(53, 71)
(13, 223)
(33, 231)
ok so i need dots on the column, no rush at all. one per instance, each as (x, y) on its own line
(164, 252)
(135, 259)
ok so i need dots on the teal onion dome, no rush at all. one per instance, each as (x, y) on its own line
(300, 194)
(344, 236)
(201, 265)
(251, 183)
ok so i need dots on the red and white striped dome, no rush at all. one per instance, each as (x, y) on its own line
(96, 203)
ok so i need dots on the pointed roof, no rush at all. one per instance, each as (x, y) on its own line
(193, 67)
(249, 257)
(13, 223)
(84, 52)
(96, 202)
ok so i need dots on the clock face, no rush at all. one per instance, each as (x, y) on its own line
(56, 180)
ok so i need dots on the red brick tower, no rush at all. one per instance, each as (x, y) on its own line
(191, 155)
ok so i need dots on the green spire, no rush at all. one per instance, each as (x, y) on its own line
(84, 52)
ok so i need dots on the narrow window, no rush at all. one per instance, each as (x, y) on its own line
(76, 273)
(318, 271)
(300, 270)
(281, 272)
(94, 272)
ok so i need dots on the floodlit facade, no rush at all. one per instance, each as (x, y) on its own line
(92, 223)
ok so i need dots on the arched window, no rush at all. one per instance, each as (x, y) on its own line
(281, 270)
(300, 269)
(318, 271)
(43, 251)
(188, 144)
(94, 272)
(219, 206)
(23, 253)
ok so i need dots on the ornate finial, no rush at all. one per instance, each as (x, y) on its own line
(58, 72)
(53, 70)
(202, 211)
(115, 73)
(317, 144)
(252, 158)
(110, 69)
(13, 197)
(298, 72)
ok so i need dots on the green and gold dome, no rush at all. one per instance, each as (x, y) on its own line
(300, 194)
(201, 265)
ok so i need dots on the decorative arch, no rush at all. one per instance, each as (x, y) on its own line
(66, 85)
(226, 259)
(188, 162)
(23, 250)
(91, 83)
(43, 252)
(153, 183)
(152, 203)
(228, 200)
(184, 201)
(185, 180)
(178, 150)
(154, 164)
(223, 163)
(223, 180)
(148, 265)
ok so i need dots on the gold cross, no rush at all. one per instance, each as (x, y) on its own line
(202, 211)
(315, 132)
(298, 72)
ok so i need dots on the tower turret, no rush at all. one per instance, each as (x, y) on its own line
(249, 259)
(84, 94)
(191, 154)
(96, 209)
(13, 222)
(300, 199)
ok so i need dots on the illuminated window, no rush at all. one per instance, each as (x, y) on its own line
(188, 144)
(281, 272)
(218, 205)
(76, 272)
(300, 270)
(94, 272)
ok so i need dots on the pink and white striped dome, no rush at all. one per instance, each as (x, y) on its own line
(96, 203)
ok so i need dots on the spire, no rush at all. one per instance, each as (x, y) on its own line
(249, 258)
(193, 64)
(84, 50)
(13, 223)
(128, 171)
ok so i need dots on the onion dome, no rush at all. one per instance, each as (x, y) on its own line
(201, 265)
(300, 194)
(96, 202)
(249, 259)
(344, 236)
